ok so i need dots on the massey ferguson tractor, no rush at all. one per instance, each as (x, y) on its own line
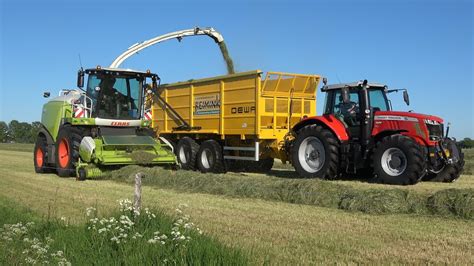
(358, 131)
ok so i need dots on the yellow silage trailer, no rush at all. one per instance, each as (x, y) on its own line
(240, 119)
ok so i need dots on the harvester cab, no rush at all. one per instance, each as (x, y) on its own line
(360, 133)
(107, 123)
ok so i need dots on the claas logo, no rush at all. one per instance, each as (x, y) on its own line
(119, 124)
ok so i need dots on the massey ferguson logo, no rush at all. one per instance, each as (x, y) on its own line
(119, 124)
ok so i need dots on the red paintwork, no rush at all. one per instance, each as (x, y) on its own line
(408, 128)
(336, 126)
(410, 114)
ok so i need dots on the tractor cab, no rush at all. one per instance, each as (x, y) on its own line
(354, 104)
(116, 94)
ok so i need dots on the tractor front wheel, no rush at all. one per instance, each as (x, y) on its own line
(67, 150)
(315, 153)
(398, 160)
(450, 172)
(186, 151)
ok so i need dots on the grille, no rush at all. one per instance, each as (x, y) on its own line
(435, 130)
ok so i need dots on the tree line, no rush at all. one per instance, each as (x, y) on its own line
(21, 132)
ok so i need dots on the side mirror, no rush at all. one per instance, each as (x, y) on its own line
(46, 94)
(406, 98)
(346, 98)
(154, 82)
(80, 79)
(325, 81)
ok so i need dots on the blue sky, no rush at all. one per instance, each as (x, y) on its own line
(424, 46)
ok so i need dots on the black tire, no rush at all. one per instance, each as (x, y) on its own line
(40, 155)
(186, 152)
(398, 160)
(451, 172)
(210, 158)
(81, 174)
(329, 168)
(66, 159)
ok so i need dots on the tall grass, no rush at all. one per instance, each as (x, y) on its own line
(449, 202)
(124, 238)
(469, 159)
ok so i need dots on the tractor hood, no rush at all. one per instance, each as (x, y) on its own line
(407, 115)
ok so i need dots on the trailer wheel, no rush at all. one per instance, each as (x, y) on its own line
(67, 150)
(398, 160)
(210, 158)
(451, 172)
(315, 153)
(40, 155)
(186, 152)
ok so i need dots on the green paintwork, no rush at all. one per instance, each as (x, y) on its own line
(126, 140)
(52, 114)
(83, 121)
(117, 150)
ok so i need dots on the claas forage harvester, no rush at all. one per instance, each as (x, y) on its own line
(104, 125)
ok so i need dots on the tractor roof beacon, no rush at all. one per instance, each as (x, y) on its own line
(359, 133)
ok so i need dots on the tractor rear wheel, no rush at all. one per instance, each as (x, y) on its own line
(67, 150)
(315, 153)
(210, 158)
(40, 155)
(186, 151)
(450, 172)
(398, 160)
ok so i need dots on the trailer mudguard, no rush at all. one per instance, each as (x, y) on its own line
(328, 121)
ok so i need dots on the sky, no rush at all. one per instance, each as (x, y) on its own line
(423, 46)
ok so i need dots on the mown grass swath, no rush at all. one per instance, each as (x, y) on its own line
(452, 202)
(124, 238)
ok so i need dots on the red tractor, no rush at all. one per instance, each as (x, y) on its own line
(359, 133)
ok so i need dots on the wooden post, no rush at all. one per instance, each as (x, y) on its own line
(138, 192)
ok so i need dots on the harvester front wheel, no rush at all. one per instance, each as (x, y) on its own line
(40, 155)
(210, 158)
(186, 151)
(398, 160)
(315, 153)
(67, 150)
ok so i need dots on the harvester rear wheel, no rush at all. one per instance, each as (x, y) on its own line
(210, 158)
(398, 160)
(451, 172)
(67, 150)
(40, 155)
(186, 151)
(315, 153)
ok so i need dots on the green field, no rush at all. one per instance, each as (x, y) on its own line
(250, 221)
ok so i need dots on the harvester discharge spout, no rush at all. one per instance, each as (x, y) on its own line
(216, 36)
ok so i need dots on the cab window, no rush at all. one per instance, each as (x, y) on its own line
(377, 100)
